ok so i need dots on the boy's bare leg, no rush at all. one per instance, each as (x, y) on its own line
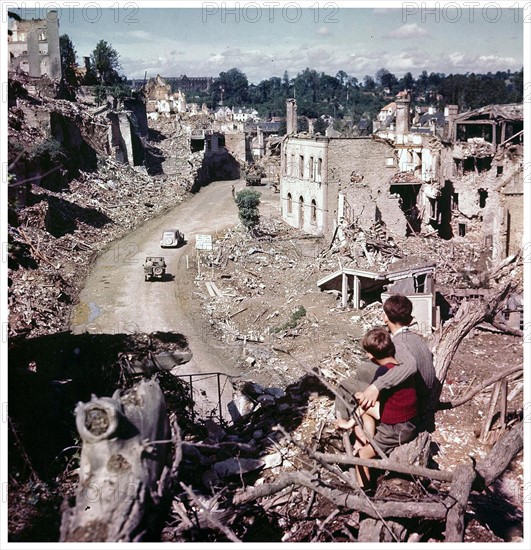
(363, 472)
(369, 425)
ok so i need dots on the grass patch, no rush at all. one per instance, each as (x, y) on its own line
(296, 316)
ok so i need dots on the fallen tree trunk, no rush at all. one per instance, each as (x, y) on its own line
(503, 452)
(124, 470)
(451, 509)
(459, 492)
(350, 501)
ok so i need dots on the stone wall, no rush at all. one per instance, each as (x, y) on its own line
(236, 146)
(34, 46)
(359, 167)
(354, 169)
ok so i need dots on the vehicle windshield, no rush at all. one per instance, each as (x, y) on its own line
(168, 234)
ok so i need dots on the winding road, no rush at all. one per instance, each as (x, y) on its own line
(116, 299)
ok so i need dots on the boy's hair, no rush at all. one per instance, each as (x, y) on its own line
(398, 309)
(378, 343)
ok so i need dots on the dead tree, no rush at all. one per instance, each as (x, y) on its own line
(124, 471)
(471, 313)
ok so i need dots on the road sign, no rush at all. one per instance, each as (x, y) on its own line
(203, 242)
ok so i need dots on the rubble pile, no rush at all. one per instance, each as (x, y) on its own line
(254, 450)
(173, 144)
(96, 210)
(57, 230)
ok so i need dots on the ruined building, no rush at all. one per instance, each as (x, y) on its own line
(183, 82)
(34, 47)
(483, 185)
(463, 178)
(329, 182)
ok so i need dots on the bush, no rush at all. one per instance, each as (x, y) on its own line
(248, 201)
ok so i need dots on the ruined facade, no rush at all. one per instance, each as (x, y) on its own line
(461, 173)
(161, 100)
(34, 47)
(330, 182)
(481, 185)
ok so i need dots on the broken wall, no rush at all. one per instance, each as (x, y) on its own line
(124, 142)
(236, 145)
(359, 166)
(138, 109)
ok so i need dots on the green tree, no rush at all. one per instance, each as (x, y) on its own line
(233, 86)
(368, 82)
(386, 79)
(106, 61)
(248, 201)
(68, 59)
(407, 82)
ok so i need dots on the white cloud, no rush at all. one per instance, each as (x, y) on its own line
(141, 35)
(324, 31)
(407, 31)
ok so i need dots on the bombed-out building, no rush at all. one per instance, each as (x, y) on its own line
(34, 47)
(330, 182)
(482, 192)
(461, 174)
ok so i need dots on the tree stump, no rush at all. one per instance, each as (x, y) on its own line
(123, 469)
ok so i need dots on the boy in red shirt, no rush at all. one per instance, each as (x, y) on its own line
(398, 405)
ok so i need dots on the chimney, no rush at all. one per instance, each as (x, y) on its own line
(451, 110)
(311, 127)
(402, 115)
(450, 114)
(291, 116)
(260, 136)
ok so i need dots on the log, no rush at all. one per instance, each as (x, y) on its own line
(459, 491)
(374, 530)
(124, 471)
(349, 501)
(415, 453)
(503, 452)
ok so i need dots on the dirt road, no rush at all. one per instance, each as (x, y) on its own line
(116, 299)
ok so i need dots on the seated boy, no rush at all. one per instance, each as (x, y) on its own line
(398, 405)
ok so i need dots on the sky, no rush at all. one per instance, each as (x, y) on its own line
(206, 38)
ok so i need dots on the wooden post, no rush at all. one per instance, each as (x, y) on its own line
(503, 403)
(344, 289)
(356, 288)
(490, 414)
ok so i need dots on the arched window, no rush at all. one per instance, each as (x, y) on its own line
(290, 204)
(301, 212)
(313, 212)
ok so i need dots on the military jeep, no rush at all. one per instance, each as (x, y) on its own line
(154, 268)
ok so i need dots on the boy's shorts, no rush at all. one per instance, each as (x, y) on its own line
(390, 436)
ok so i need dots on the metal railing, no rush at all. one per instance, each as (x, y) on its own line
(201, 376)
